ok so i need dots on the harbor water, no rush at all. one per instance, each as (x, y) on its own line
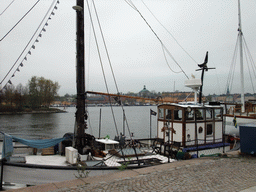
(54, 125)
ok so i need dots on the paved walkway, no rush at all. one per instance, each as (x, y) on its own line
(234, 173)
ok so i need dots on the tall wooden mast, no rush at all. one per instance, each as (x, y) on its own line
(81, 117)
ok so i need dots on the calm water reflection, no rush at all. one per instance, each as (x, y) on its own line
(34, 126)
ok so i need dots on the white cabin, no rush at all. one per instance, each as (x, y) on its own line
(191, 126)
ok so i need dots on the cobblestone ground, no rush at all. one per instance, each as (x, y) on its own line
(219, 174)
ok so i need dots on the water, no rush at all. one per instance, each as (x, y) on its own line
(36, 126)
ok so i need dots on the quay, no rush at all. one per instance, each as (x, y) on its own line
(231, 173)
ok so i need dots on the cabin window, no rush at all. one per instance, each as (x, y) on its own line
(199, 114)
(161, 113)
(209, 114)
(189, 114)
(209, 130)
(168, 114)
(177, 114)
(218, 114)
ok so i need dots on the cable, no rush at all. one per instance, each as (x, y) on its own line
(134, 7)
(168, 32)
(231, 70)
(19, 20)
(246, 57)
(104, 76)
(6, 8)
(250, 57)
(28, 43)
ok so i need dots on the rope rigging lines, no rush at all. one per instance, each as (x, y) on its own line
(250, 65)
(129, 2)
(41, 26)
(20, 20)
(6, 8)
(109, 61)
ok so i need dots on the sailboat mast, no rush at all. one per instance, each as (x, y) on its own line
(80, 83)
(241, 57)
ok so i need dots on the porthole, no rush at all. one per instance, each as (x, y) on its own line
(200, 130)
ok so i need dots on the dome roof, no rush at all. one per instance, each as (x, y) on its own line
(144, 90)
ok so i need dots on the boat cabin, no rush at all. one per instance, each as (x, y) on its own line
(190, 124)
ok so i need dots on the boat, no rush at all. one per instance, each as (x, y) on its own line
(194, 128)
(78, 154)
(185, 130)
(237, 114)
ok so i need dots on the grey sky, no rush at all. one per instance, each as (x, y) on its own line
(136, 54)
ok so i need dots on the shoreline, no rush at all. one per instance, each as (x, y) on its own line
(34, 112)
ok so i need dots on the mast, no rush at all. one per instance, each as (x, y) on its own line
(81, 116)
(241, 57)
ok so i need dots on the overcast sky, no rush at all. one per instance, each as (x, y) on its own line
(136, 54)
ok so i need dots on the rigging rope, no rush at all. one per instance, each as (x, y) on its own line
(109, 61)
(169, 33)
(102, 68)
(110, 64)
(232, 67)
(250, 57)
(246, 57)
(6, 8)
(134, 7)
(19, 20)
(28, 42)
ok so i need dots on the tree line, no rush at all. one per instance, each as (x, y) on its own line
(38, 93)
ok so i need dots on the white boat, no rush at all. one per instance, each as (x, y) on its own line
(192, 128)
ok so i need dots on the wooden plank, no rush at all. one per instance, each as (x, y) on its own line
(48, 151)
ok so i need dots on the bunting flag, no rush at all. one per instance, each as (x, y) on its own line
(152, 112)
(33, 46)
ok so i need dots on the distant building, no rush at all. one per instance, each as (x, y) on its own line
(144, 92)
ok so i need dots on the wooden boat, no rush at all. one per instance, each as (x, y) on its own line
(30, 168)
(194, 128)
(36, 169)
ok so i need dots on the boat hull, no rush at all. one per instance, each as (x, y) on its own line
(36, 176)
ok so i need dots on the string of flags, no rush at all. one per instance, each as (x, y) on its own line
(32, 47)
